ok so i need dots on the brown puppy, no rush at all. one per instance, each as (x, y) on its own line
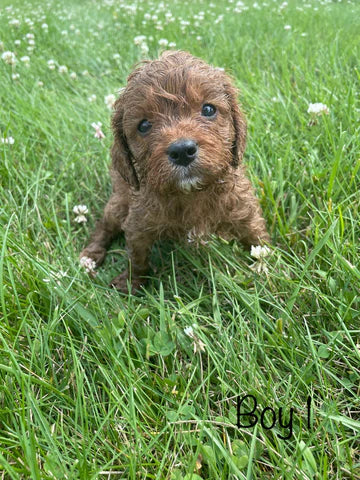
(179, 138)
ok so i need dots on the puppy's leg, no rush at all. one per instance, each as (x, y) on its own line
(246, 218)
(253, 231)
(107, 228)
(139, 240)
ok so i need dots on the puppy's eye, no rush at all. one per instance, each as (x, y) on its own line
(144, 126)
(208, 110)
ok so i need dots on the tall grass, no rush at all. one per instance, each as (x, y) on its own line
(95, 384)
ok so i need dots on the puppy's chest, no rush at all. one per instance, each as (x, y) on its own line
(191, 220)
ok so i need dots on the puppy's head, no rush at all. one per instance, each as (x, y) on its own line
(177, 125)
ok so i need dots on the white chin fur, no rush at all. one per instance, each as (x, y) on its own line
(191, 183)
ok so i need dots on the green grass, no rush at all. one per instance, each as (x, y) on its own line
(95, 384)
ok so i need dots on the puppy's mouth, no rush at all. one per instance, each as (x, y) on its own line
(187, 178)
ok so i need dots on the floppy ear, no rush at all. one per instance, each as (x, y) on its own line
(122, 158)
(239, 124)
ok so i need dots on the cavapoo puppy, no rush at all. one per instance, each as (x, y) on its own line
(179, 139)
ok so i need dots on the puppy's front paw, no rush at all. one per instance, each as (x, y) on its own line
(95, 252)
(122, 282)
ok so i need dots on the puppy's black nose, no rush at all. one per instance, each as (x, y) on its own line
(182, 152)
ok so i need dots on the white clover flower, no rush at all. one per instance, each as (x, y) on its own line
(40, 83)
(172, 45)
(92, 98)
(73, 75)
(9, 58)
(259, 252)
(17, 42)
(51, 64)
(147, 16)
(189, 331)
(98, 132)
(287, 27)
(318, 109)
(198, 344)
(25, 59)
(80, 209)
(259, 267)
(14, 22)
(31, 42)
(15, 76)
(163, 42)
(30, 36)
(144, 48)
(85, 73)
(138, 40)
(64, 32)
(80, 219)
(45, 26)
(63, 69)
(87, 263)
(131, 9)
(110, 100)
(8, 140)
(116, 56)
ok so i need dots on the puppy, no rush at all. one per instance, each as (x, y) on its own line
(179, 139)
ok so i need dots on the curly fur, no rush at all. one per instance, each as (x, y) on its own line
(151, 196)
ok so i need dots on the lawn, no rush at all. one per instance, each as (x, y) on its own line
(100, 385)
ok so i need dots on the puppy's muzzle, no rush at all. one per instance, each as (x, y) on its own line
(183, 152)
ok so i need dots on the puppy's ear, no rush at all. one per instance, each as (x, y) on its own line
(122, 158)
(239, 124)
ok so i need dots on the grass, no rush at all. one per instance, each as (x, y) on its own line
(95, 384)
